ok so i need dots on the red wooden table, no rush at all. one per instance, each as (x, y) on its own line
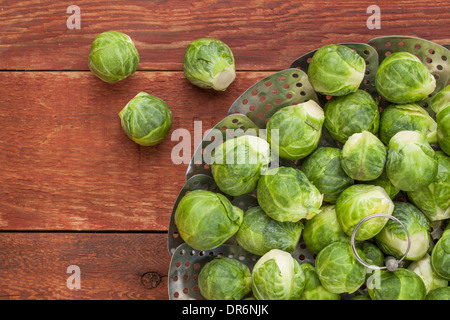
(74, 190)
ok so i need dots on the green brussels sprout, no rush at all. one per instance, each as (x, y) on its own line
(238, 163)
(313, 288)
(443, 129)
(384, 182)
(402, 78)
(363, 156)
(338, 270)
(351, 114)
(323, 229)
(440, 100)
(440, 256)
(424, 270)
(209, 63)
(299, 129)
(434, 200)
(277, 276)
(412, 117)
(373, 255)
(393, 240)
(439, 294)
(401, 284)
(411, 162)
(336, 70)
(365, 296)
(286, 194)
(323, 169)
(113, 56)
(224, 278)
(258, 233)
(359, 201)
(146, 119)
(205, 219)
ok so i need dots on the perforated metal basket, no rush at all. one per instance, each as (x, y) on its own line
(252, 110)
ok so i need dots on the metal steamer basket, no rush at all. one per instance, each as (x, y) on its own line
(250, 113)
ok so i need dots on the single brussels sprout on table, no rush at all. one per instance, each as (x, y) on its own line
(411, 161)
(338, 269)
(224, 278)
(146, 119)
(313, 288)
(363, 156)
(434, 199)
(286, 194)
(323, 229)
(205, 219)
(401, 284)
(299, 129)
(359, 201)
(412, 117)
(209, 63)
(439, 294)
(440, 100)
(384, 182)
(393, 240)
(323, 168)
(402, 78)
(351, 114)
(258, 233)
(113, 56)
(424, 270)
(440, 256)
(443, 129)
(237, 164)
(277, 276)
(336, 70)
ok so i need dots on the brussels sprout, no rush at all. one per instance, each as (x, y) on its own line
(338, 270)
(384, 182)
(113, 56)
(238, 163)
(361, 297)
(440, 256)
(439, 294)
(351, 114)
(336, 70)
(205, 219)
(393, 240)
(299, 129)
(286, 194)
(443, 129)
(412, 117)
(259, 233)
(146, 119)
(411, 162)
(434, 199)
(313, 288)
(323, 169)
(402, 78)
(401, 284)
(363, 156)
(323, 229)
(277, 276)
(209, 63)
(359, 201)
(224, 279)
(372, 253)
(424, 270)
(440, 100)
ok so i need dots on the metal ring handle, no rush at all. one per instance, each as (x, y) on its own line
(391, 265)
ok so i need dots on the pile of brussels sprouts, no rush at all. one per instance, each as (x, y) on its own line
(393, 161)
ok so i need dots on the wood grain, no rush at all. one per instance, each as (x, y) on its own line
(112, 266)
(67, 164)
(264, 35)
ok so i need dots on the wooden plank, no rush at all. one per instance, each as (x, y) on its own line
(264, 35)
(66, 163)
(111, 266)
